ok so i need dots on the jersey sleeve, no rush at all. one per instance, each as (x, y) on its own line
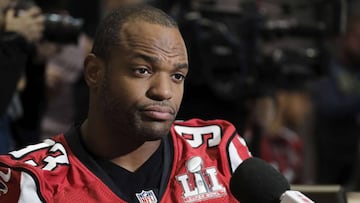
(30, 174)
(236, 149)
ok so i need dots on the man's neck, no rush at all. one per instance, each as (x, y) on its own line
(123, 152)
(135, 159)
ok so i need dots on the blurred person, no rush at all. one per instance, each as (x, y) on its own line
(337, 103)
(297, 110)
(270, 137)
(130, 148)
(18, 33)
(27, 128)
(61, 73)
(279, 107)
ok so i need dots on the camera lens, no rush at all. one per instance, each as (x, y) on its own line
(62, 28)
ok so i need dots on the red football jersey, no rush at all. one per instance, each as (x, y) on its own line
(204, 155)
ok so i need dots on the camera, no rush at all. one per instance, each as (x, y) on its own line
(238, 49)
(59, 28)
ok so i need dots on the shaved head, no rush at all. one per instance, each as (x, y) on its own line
(108, 34)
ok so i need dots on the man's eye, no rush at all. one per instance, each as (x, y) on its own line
(142, 71)
(179, 77)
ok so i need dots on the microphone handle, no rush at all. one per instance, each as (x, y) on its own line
(292, 196)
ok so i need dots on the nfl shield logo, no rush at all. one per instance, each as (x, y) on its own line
(146, 197)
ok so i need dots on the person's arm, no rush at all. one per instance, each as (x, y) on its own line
(16, 34)
(13, 57)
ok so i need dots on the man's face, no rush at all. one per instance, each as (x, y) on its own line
(144, 79)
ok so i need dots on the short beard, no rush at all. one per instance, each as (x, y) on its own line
(113, 116)
(124, 124)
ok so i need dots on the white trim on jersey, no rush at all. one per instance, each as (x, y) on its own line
(28, 190)
(235, 159)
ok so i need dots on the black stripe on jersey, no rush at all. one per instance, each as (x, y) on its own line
(31, 174)
(227, 149)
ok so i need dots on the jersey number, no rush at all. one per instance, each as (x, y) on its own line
(56, 154)
(196, 136)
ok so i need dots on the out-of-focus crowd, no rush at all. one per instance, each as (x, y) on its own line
(310, 132)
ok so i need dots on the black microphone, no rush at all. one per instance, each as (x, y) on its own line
(256, 181)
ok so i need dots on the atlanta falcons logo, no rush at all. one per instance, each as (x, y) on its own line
(4, 177)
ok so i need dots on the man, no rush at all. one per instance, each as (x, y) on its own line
(129, 149)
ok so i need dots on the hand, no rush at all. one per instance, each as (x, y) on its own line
(45, 50)
(29, 23)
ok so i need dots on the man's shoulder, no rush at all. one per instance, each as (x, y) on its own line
(28, 169)
(49, 156)
(46, 172)
(210, 140)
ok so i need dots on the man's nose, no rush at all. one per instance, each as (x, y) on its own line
(160, 88)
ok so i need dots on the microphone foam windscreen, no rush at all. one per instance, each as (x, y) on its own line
(256, 181)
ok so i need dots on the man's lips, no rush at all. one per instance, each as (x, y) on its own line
(157, 112)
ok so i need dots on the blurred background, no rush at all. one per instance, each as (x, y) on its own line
(284, 72)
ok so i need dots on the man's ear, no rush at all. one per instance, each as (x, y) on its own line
(94, 70)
